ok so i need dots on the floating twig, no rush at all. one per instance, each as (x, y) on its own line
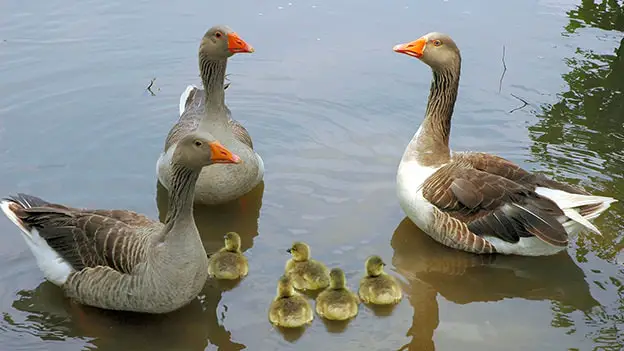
(500, 83)
(149, 87)
(524, 103)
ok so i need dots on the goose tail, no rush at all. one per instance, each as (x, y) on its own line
(53, 266)
(579, 209)
(185, 97)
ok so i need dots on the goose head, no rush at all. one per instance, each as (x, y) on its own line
(198, 150)
(221, 42)
(232, 242)
(337, 279)
(435, 49)
(374, 266)
(300, 251)
(285, 287)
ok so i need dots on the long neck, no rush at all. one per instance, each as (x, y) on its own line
(181, 196)
(430, 145)
(212, 73)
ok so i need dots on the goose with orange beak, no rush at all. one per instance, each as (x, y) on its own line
(474, 201)
(204, 109)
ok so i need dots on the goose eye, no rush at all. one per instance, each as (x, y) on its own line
(218, 34)
(198, 143)
(437, 42)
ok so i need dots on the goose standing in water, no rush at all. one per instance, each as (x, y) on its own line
(205, 110)
(122, 260)
(479, 202)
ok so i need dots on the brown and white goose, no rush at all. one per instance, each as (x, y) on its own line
(205, 110)
(479, 202)
(118, 259)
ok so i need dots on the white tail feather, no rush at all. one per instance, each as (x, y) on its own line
(184, 97)
(569, 203)
(54, 267)
(575, 216)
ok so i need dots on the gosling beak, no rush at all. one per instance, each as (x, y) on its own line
(289, 250)
(222, 155)
(414, 48)
(238, 45)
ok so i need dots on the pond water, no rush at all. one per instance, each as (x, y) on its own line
(331, 109)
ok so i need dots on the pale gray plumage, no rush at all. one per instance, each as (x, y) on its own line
(118, 259)
(205, 110)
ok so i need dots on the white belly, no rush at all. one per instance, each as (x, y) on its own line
(531, 246)
(410, 178)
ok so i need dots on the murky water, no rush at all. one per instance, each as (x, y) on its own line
(331, 108)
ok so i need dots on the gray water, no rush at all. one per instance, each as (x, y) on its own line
(331, 109)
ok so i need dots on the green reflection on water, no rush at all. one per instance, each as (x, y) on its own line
(587, 126)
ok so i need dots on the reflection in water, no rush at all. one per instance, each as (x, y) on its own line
(291, 334)
(431, 269)
(585, 130)
(50, 316)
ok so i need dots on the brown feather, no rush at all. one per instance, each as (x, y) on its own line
(86, 238)
(491, 204)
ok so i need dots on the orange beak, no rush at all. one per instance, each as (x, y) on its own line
(415, 48)
(222, 155)
(237, 45)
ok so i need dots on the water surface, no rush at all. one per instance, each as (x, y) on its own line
(330, 108)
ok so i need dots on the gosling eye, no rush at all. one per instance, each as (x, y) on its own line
(198, 143)
(218, 34)
(437, 42)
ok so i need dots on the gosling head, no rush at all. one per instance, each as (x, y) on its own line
(435, 49)
(232, 242)
(198, 150)
(374, 266)
(300, 251)
(337, 279)
(285, 287)
(221, 42)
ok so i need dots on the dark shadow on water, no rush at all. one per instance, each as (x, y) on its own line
(431, 269)
(51, 316)
(380, 310)
(335, 327)
(291, 334)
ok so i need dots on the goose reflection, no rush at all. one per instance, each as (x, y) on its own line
(431, 269)
(51, 316)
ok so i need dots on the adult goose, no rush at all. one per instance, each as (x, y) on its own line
(118, 259)
(205, 110)
(479, 202)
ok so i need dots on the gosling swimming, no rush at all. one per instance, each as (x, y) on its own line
(337, 302)
(229, 262)
(289, 309)
(306, 273)
(378, 287)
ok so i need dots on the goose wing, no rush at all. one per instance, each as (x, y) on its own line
(494, 205)
(87, 238)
